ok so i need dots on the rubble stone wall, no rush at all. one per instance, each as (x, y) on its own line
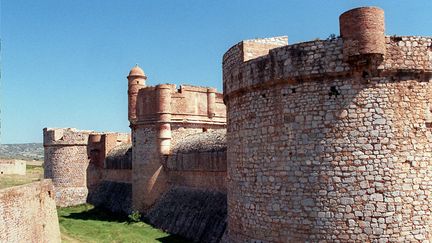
(322, 167)
(325, 148)
(28, 213)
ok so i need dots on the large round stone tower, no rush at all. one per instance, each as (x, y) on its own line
(66, 163)
(330, 140)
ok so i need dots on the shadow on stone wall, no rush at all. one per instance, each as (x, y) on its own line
(195, 214)
(113, 196)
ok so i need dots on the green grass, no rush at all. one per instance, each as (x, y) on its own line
(85, 223)
(33, 173)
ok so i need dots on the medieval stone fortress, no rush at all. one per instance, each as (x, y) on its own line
(321, 141)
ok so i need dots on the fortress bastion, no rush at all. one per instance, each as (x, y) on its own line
(330, 140)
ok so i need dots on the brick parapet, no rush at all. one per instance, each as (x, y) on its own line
(187, 104)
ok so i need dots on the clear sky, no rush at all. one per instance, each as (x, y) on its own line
(64, 63)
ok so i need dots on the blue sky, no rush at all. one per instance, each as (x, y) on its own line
(64, 63)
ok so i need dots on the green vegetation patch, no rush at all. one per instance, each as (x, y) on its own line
(85, 223)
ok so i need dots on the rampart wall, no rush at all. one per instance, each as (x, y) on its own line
(28, 213)
(330, 140)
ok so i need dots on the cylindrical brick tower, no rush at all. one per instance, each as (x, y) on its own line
(211, 101)
(65, 162)
(136, 81)
(164, 117)
(322, 148)
(362, 30)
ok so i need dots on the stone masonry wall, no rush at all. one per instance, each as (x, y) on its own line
(148, 177)
(327, 148)
(28, 213)
(352, 166)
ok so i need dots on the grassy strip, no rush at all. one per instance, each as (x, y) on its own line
(85, 223)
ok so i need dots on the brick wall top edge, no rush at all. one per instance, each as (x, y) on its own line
(9, 161)
(272, 40)
(183, 87)
(365, 8)
(65, 136)
(71, 129)
(324, 57)
(45, 184)
(312, 42)
(109, 133)
(277, 40)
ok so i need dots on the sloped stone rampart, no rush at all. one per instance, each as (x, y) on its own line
(195, 214)
(28, 213)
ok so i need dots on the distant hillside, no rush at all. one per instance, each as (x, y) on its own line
(26, 151)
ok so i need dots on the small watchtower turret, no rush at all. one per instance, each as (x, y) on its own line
(136, 81)
(362, 30)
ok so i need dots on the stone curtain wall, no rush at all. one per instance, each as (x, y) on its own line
(325, 147)
(28, 213)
